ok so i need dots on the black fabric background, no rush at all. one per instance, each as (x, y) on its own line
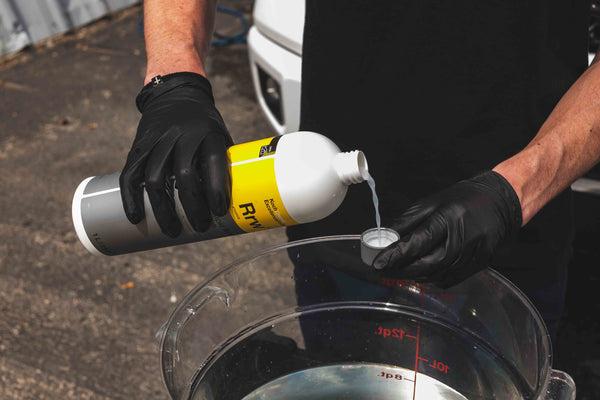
(434, 91)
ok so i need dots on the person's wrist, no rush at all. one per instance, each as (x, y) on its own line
(177, 57)
(173, 62)
(163, 84)
(150, 74)
(505, 197)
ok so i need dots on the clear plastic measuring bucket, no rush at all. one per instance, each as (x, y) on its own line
(309, 320)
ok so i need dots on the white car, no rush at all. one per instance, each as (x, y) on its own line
(275, 50)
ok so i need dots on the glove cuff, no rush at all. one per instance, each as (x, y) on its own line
(162, 84)
(508, 201)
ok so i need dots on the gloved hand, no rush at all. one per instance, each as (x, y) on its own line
(453, 234)
(182, 135)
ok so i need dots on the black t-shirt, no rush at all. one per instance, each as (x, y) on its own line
(434, 91)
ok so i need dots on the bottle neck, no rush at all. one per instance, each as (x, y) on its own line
(351, 167)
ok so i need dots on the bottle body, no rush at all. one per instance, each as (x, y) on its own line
(295, 178)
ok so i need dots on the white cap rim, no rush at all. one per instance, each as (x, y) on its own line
(78, 219)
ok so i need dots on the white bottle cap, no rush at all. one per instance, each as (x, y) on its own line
(351, 167)
(373, 241)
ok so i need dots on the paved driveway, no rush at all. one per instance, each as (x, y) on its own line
(75, 326)
(72, 325)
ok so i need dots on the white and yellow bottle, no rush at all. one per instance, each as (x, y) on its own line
(291, 179)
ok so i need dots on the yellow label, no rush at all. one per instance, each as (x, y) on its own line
(255, 200)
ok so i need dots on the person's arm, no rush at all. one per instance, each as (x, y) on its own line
(181, 134)
(178, 35)
(567, 146)
(452, 234)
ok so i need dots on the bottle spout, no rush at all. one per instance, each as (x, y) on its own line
(351, 167)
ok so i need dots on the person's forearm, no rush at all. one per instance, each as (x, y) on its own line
(178, 34)
(567, 146)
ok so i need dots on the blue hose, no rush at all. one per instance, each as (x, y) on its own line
(240, 37)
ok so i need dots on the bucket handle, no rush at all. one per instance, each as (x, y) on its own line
(560, 387)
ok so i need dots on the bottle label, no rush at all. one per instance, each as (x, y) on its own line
(255, 200)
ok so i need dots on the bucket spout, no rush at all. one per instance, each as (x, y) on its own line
(560, 387)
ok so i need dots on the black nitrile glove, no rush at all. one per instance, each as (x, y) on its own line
(453, 234)
(182, 135)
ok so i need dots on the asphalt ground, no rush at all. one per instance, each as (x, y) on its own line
(76, 326)
(73, 325)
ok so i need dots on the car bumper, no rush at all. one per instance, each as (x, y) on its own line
(276, 75)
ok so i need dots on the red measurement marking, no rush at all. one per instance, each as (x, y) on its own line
(393, 333)
(400, 334)
(416, 362)
(440, 366)
(418, 340)
(447, 297)
(395, 282)
(387, 375)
